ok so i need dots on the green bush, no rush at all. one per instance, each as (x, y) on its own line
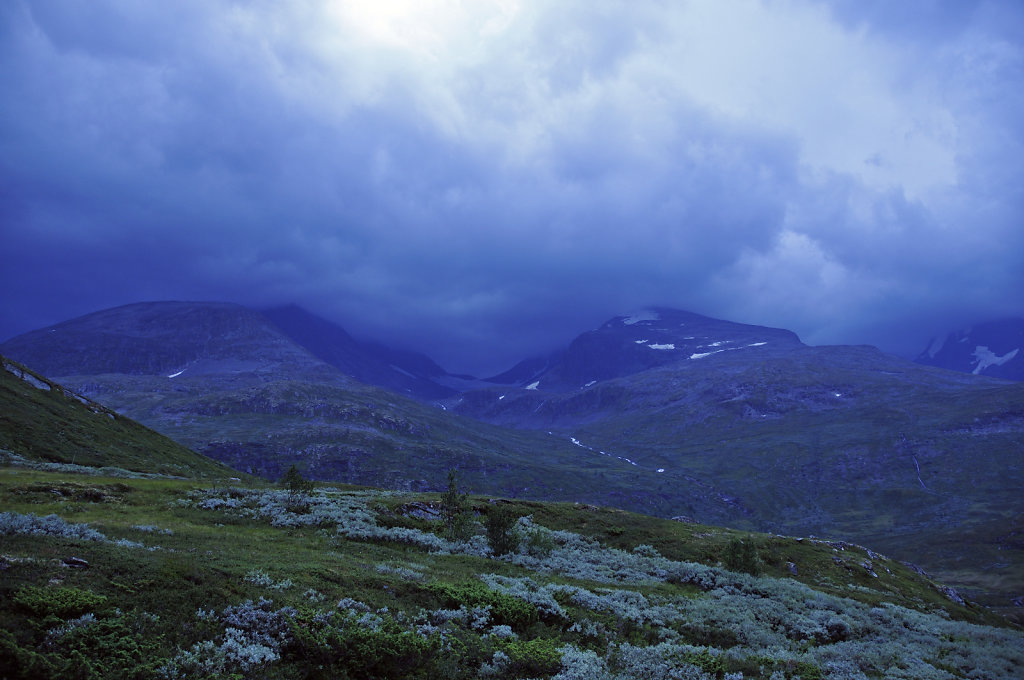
(505, 609)
(106, 649)
(713, 664)
(501, 529)
(112, 649)
(538, 543)
(64, 603)
(742, 556)
(532, 658)
(343, 646)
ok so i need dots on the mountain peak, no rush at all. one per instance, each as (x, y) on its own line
(641, 340)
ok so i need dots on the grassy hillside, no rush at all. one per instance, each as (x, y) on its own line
(837, 441)
(141, 578)
(42, 422)
(340, 430)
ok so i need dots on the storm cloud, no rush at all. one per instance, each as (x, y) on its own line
(480, 180)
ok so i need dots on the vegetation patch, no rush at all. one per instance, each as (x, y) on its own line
(259, 582)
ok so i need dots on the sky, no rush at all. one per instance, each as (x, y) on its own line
(482, 180)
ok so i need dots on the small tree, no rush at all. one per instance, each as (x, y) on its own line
(455, 512)
(295, 482)
(742, 556)
(501, 529)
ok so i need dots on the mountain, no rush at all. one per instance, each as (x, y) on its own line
(995, 348)
(822, 440)
(663, 412)
(45, 424)
(372, 363)
(172, 339)
(237, 388)
(527, 371)
(647, 339)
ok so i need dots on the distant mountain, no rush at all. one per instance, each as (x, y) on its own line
(638, 342)
(172, 339)
(369, 362)
(230, 383)
(42, 421)
(995, 348)
(527, 371)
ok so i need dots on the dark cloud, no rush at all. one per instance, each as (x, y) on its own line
(483, 181)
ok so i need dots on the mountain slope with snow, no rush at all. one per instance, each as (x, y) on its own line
(994, 348)
(638, 342)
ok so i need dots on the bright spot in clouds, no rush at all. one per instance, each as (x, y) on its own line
(481, 180)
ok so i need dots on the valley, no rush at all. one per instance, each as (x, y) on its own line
(664, 412)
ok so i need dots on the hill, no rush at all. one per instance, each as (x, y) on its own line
(44, 423)
(170, 578)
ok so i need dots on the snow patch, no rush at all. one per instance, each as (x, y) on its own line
(757, 344)
(701, 355)
(24, 375)
(580, 444)
(668, 346)
(175, 375)
(640, 342)
(935, 345)
(660, 470)
(592, 382)
(643, 315)
(501, 397)
(986, 357)
(402, 371)
(533, 385)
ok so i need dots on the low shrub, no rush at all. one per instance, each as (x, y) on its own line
(505, 609)
(64, 603)
(343, 645)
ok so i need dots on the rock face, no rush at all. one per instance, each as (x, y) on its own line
(994, 349)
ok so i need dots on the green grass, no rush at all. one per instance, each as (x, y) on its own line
(42, 422)
(145, 601)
